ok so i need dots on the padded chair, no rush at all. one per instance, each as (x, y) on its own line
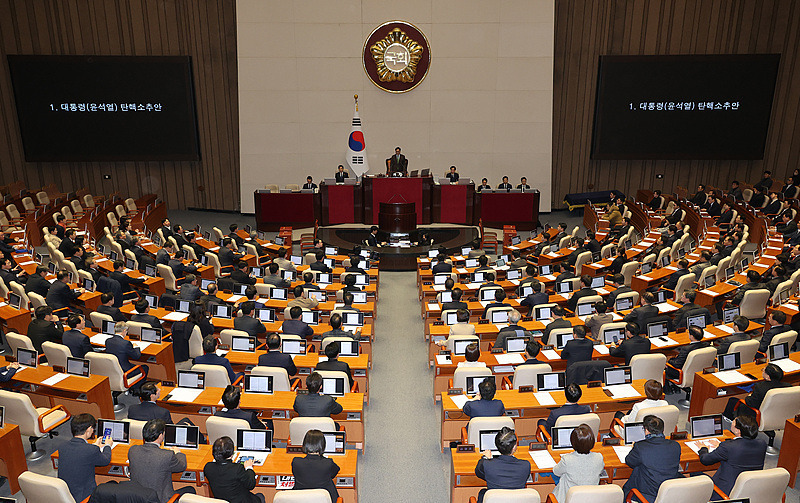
(491, 310)
(628, 270)
(16, 341)
(445, 312)
(605, 251)
(135, 327)
(217, 234)
(747, 350)
(708, 271)
(340, 374)
(56, 354)
(99, 318)
(112, 220)
(216, 376)
(451, 341)
(460, 375)
(280, 378)
(36, 300)
(721, 267)
(754, 304)
(553, 337)
(120, 210)
(130, 206)
(28, 205)
(685, 282)
(631, 295)
(195, 343)
(779, 405)
(525, 375)
(648, 366)
(667, 413)
(789, 337)
(304, 496)
(583, 258)
(226, 336)
(88, 201)
(470, 434)
(761, 486)
(330, 339)
(591, 419)
(213, 261)
(170, 281)
(189, 252)
(136, 428)
(685, 489)
(783, 286)
(108, 365)
(19, 290)
(608, 493)
(218, 427)
(589, 299)
(299, 426)
(13, 212)
(509, 496)
(696, 361)
(33, 422)
(40, 488)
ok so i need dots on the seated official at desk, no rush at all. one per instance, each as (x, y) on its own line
(348, 298)
(210, 357)
(37, 283)
(335, 322)
(462, 325)
(558, 322)
(582, 467)
(744, 453)
(504, 185)
(596, 321)
(301, 298)
(313, 404)
(653, 390)
(341, 174)
(499, 298)
(534, 299)
(695, 342)
(333, 363)
(484, 185)
(487, 405)
(274, 358)
(77, 458)
(309, 184)
(7, 372)
(573, 394)
(654, 460)
(148, 409)
(523, 184)
(151, 466)
(579, 348)
(107, 307)
(315, 471)
(247, 323)
(189, 289)
(452, 175)
(398, 164)
(296, 326)
(230, 399)
(456, 294)
(45, 327)
(504, 471)
(773, 378)
(142, 307)
(740, 324)
(122, 348)
(512, 330)
(441, 266)
(633, 344)
(472, 354)
(319, 261)
(74, 338)
(532, 349)
(231, 481)
(127, 491)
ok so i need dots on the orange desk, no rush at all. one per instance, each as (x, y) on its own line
(790, 450)
(12, 455)
(159, 358)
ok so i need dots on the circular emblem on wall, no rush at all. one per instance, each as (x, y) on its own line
(396, 56)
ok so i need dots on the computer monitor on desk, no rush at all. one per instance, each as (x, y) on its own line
(191, 379)
(333, 386)
(706, 426)
(550, 381)
(180, 436)
(78, 366)
(487, 441)
(561, 437)
(634, 432)
(27, 357)
(258, 384)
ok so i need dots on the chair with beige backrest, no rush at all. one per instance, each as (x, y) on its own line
(470, 434)
(218, 427)
(280, 378)
(789, 337)
(628, 270)
(754, 304)
(573, 420)
(20, 290)
(583, 258)
(108, 365)
(136, 428)
(56, 354)
(196, 498)
(526, 375)
(648, 366)
(226, 336)
(460, 375)
(509, 496)
(33, 422)
(608, 493)
(16, 341)
(779, 405)
(451, 341)
(170, 281)
(747, 350)
(196, 343)
(684, 489)
(98, 318)
(696, 361)
(299, 426)
(667, 413)
(761, 486)
(216, 376)
(305, 496)
(338, 374)
(38, 488)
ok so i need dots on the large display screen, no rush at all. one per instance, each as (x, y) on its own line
(105, 108)
(684, 107)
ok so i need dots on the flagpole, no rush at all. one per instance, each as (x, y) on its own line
(358, 178)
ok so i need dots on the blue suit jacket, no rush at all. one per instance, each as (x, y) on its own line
(278, 359)
(146, 411)
(214, 359)
(504, 472)
(123, 350)
(77, 460)
(734, 457)
(77, 342)
(297, 327)
(485, 408)
(653, 460)
(569, 409)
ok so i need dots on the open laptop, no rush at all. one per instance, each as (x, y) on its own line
(333, 386)
(500, 316)
(778, 351)
(617, 375)
(460, 346)
(440, 279)
(253, 444)
(359, 297)
(183, 306)
(564, 287)
(118, 430)
(550, 381)
(783, 296)
(623, 304)
(222, 311)
(696, 321)
(728, 314)
(14, 300)
(324, 278)
(318, 295)
(362, 279)
(265, 315)
(258, 384)
(77, 366)
(472, 384)
(526, 290)
(563, 339)
(729, 361)
(451, 318)
(612, 336)
(353, 319)
(27, 357)
(711, 280)
(477, 277)
(310, 317)
(488, 294)
(512, 274)
(348, 348)
(243, 343)
(585, 309)
(598, 282)
(634, 432)
(257, 272)
(706, 426)
(543, 312)
(334, 442)
(191, 379)
(150, 270)
(293, 346)
(486, 441)
(278, 293)
(545, 269)
(181, 436)
(289, 276)
(446, 296)
(646, 268)
(108, 327)
(516, 344)
(433, 253)
(560, 436)
(151, 335)
(657, 329)
(331, 250)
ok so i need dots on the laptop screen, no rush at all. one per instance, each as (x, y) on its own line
(711, 280)
(77, 366)
(446, 296)
(296, 260)
(334, 442)
(500, 316)
(310, 317)
(317, 295)
(353, 318)
(460, 346)
(616, 375)
(14, 300)
(564, 287)
(151, 335)
(440, 279)
(706, 426)
(486, 439)
(293, 347)
(598, 282)
(623, 303)
(183, 306)
(130, 264)
(477, 277)
(289, 276)
(513, 274)
(108, 327)
(333, 386)
(525, 291)
(516, 344)
(152, 301)
(778, 351)
(488, 294)
(242, 343)
(451, 318)
(257, 384)
(543, 313)
(515, 240)
(729, 314)
(278, 293)
(266, 315)
(348, 348)
(331, 250)
(661, 296)
(584, 309)
(646, 268)
(465, 250)
(150, 270)
(729, 361)
(657, 329)
(191, 379)
(222, 311)
(562, 339)
(696, 321)
(257, 271)
(359, 297)
(183, 437)
(550, 381)
(612, 336)
(783, 296)
(433, 253)
(324, 278)
(27, 357)
(634, 432)
(545, 270)
(561, 437)
(118, 430)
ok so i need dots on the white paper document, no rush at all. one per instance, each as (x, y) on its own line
(708, 291)
(514, 282)
(184, 394)
(54, 379)
(622, 451)
(509, 359)
(623, 391)
(99, 339)
(438, 288)
(235, 298)
(544, 398)
(141, 345)
(460, 400)
(731, 377)
(645, 277)
(550, 354)
(473, 286)
(549, 277)
(787, 365)
(726, 329)
(501, 326)
(602, 291)
(462, 270)
(485, 303)
(601, 348)
(433, 306)
(662, 341)
(443, 360)
(176, 316)
(708, 443)
(543, 459)
(664, 307)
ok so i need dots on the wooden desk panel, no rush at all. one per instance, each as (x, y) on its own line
(12, 455)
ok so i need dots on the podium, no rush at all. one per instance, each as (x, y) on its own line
(397, 217)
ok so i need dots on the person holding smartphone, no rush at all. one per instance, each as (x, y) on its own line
(229, 481)
(78, 458)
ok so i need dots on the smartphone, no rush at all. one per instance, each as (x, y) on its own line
(244, 459)
(106, 435)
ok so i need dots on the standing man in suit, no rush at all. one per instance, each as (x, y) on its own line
(77, 342)
(313, 404)
(641, 314)
(744, 453)
(341, 174)
(504, 471)
(44, 327)
(487, 406)
(654, 460)
(247, 323)
(274, 358)
(118, 346)
(573, 394)
(333, 363)
(579, 348)
(230, 399)
(398, 163)
(147, 409)
(78, 458)
(60, 295)
(107, 307)
(152, 467)
(634, 344)
(505, 185)
(696, 342)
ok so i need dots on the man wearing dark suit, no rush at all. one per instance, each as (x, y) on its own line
(535, 298)
(234, 235)
(776, 320)
(579, 348)
(78, 458)
(765, 183)
(60, 295)
(398, 163)
(230, 399)
(141, 316)
(166, 230)
(778, 276)
(441, 265)
(319, 264)
(273, 278)
(452, 176)
(688, 307)
(68, 246)
(523, 184)
(499, 298)
(77, 342)
(655, 203)
(247, 323)
(773, 378)
(125, 282)
(147, 409)
(618, 282)
(725, 216)
(240, 275)
(309, 185)
(313, 404)
(179, 269)
(712, 207)
(532, 349)
(341, 174)
(189, 289)
(585, 291)
(512, 330)
(696, 342)
(634, 344)
(758, 199)
(210, 357)
(643, 313)
(355, 261)
(165, 253)
(295, 325)
(333, 363)
(456, 303)
(654, 460)
(152, 467)
(123, 492)
(37, 283)
(274, 358)
(573, 394)
(740, 324)
(118, 346)
(735, 192)
(673, 217)
(487, 406)
(558, 322)
(44, 327)
(107, 307)
(743, 453)
(573, 256)
(505, 185)
(788, 226)
(774, 205)
(505, 471)
(227, 255)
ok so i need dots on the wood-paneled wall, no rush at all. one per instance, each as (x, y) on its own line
(585, 29)
(202, 29)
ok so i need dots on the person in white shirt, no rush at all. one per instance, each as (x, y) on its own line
(472, 353)
(653, 391)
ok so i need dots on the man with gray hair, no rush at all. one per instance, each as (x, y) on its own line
(512, 330)
(122, 348)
